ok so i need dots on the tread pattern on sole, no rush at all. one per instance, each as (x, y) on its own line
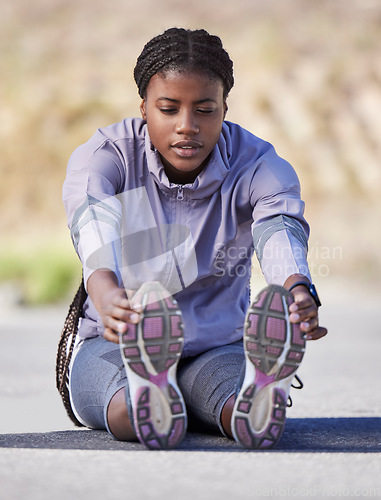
(275, 348)
(151, 351)
(273, 430)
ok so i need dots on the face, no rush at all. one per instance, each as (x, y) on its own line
(184, 114)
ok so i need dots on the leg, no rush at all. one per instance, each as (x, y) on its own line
(96, 382)
(140, 373)
(226, 416)
(118, 419)
(208, 383)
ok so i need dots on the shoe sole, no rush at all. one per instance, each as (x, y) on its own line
(150, 351)
(274, 349)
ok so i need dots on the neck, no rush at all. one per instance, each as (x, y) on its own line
(179, 177)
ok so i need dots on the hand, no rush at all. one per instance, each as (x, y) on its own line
(117, 312)
(304, 311)
(112, 304)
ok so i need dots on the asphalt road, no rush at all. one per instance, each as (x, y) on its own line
(331, 445)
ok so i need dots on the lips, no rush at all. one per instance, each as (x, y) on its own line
(186, 149)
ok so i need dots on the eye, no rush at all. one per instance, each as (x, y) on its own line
(168, 111)
(206, 111)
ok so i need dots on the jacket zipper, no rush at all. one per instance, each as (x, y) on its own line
(180, 197)
(180, 192)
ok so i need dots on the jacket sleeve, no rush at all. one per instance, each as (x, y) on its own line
(94, 177)
(280, 232)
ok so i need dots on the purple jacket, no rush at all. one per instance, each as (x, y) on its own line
(196, 239)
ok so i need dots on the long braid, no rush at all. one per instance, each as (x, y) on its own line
(64, 354)
(181, 49)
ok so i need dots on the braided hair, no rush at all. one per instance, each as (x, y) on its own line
(184, 50)
(65, 349)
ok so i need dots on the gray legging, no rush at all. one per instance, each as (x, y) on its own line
(206, 381)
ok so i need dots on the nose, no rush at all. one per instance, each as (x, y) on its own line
(187, 123)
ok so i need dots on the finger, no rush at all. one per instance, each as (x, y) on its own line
(124, 303)
(310, 325)
(135, 300)
(108, 334)
(115, 325)
(304, 306)
(316, 334)
(130, 293)
(304, 314)
(125, 315)
(121, 301)
(301, 301)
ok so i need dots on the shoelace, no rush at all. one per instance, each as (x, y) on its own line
(299, 386)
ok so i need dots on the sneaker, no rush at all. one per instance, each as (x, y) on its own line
(274, 349)
(150, 352)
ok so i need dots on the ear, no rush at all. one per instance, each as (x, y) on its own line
(225, 108)
(143, 109)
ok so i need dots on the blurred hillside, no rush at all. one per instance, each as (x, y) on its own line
(308, 77)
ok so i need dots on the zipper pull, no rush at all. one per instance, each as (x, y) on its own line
(180, 192)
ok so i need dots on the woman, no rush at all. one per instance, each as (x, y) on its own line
(165, 211)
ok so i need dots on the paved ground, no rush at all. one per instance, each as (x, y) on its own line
(330, 448)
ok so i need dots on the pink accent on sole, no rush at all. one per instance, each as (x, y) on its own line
(148, 356)
(274, 350)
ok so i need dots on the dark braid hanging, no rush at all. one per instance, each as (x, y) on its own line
(181, 49)
(69, 333)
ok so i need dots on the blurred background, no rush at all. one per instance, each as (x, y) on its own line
(308, 79)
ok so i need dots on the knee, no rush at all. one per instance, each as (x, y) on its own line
(118, 419)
